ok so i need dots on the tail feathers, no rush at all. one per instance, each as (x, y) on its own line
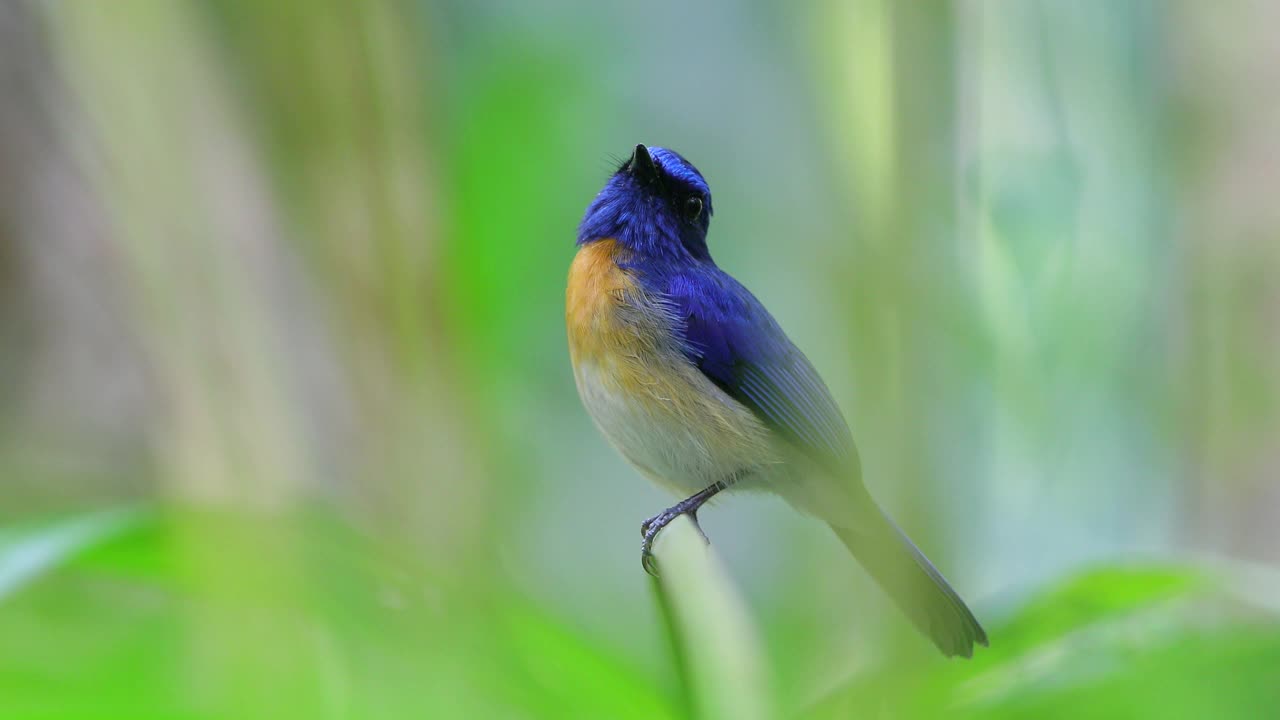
(914, 584)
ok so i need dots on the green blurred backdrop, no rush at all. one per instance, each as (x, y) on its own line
(287, 425)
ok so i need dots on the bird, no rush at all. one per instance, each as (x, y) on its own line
(697, 386)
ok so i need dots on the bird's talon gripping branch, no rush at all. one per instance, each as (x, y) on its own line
(650, 528)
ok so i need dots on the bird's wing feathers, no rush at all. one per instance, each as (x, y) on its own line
(738, 345)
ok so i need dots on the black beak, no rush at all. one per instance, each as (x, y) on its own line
(642, 167)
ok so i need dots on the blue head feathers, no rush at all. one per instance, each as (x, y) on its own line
(657, 204)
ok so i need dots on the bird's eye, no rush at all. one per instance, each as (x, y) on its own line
(693, 207)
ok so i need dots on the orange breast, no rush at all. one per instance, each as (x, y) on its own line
(595, 305)
(655, 406)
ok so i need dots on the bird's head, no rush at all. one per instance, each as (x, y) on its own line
(657, 204)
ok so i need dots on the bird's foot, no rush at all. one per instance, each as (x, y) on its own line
(650, 528)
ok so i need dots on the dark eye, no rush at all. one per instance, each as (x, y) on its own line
(692, 207)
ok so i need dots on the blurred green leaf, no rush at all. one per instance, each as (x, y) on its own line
(1094, 596)
(569, 677)
(1111, 642)
(29, 551)
(219, 614)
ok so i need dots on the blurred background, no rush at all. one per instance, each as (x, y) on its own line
(287, 423)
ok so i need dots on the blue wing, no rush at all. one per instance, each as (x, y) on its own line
(738, 345)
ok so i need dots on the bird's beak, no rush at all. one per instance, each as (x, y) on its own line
(642, 167)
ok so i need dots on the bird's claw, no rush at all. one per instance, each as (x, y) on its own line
(650, 528)
(649, 563)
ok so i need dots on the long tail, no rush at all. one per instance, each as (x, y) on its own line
(913, 583)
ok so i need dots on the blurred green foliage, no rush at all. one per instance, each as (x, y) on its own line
(117, 625)
(287, 427)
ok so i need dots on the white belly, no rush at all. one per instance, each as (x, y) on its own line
(648, 400)
(684, 438)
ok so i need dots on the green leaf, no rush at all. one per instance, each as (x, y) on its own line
(28, 552)
(1138, 641)
(1094, 596)
(572, 677)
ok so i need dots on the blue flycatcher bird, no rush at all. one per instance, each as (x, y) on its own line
(694, 382)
